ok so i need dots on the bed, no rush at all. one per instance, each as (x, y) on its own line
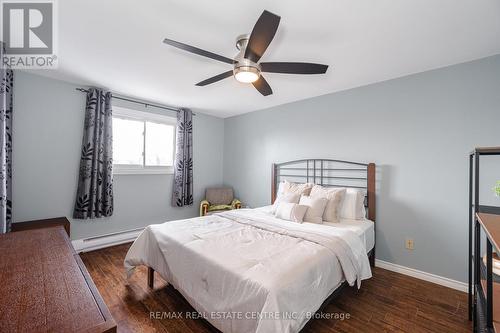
(248, 271)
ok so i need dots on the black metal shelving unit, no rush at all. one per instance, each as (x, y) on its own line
(480, 291)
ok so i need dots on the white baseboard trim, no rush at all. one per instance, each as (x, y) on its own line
(95, 243)
(443, 281)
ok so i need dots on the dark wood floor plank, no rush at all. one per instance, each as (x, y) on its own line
(389, 302)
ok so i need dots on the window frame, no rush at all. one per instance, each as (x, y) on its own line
(144, 117)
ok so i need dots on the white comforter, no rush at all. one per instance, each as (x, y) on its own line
(246, 271)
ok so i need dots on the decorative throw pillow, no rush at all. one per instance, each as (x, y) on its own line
(291, 212)
(286, 187)
(353, 205)
(334, 197)
(299, 188)
(287, 198)
(315, 208)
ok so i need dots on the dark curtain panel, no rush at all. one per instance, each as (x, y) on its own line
(94, 196)
(6, 89)
(182, 194)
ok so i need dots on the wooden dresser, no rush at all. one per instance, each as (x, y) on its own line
(45, 286)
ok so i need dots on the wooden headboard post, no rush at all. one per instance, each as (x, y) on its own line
(370, 184)
(371, 191)
(273, 183)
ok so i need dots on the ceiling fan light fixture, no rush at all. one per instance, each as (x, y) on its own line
(247, 67)
(246, 74)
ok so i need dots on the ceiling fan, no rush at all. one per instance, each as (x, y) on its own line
(246, 66)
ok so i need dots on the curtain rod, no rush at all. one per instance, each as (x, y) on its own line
(138, 102)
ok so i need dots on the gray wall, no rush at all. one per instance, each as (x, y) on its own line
(417, 129)
(48, 127)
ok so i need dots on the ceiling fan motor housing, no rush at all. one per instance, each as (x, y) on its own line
(241, 63)
(242, 41)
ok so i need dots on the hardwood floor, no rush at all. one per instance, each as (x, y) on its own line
(389, 302)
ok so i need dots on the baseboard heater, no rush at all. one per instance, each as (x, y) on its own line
(106, 240)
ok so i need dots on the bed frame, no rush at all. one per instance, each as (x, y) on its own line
(329, 173)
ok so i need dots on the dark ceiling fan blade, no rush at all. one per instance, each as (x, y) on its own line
(262, 86)
(293, 67)
(215, 78)
(197, 51)
(262, 34)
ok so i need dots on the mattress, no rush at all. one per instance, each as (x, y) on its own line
(365, 229)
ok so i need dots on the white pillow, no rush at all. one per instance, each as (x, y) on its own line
(291, 212)
(353, 205)
(315, 208)
(286, 197)
(334, 197)
(281, 189)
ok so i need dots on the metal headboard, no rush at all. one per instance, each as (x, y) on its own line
(328, 173)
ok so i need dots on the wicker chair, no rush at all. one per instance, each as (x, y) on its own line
(217, 200)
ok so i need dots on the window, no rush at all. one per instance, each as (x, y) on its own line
(143, 143)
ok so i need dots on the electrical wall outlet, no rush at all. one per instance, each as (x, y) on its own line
(409, 244)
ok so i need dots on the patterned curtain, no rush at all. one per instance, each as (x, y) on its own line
(94, 196)
(6, 89)
(182, 194)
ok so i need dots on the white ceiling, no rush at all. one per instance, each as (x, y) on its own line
(118, 45)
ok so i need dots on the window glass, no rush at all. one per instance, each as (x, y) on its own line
(159, 144)
(128, 141)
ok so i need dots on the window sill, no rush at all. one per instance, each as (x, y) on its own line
(143, 172)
